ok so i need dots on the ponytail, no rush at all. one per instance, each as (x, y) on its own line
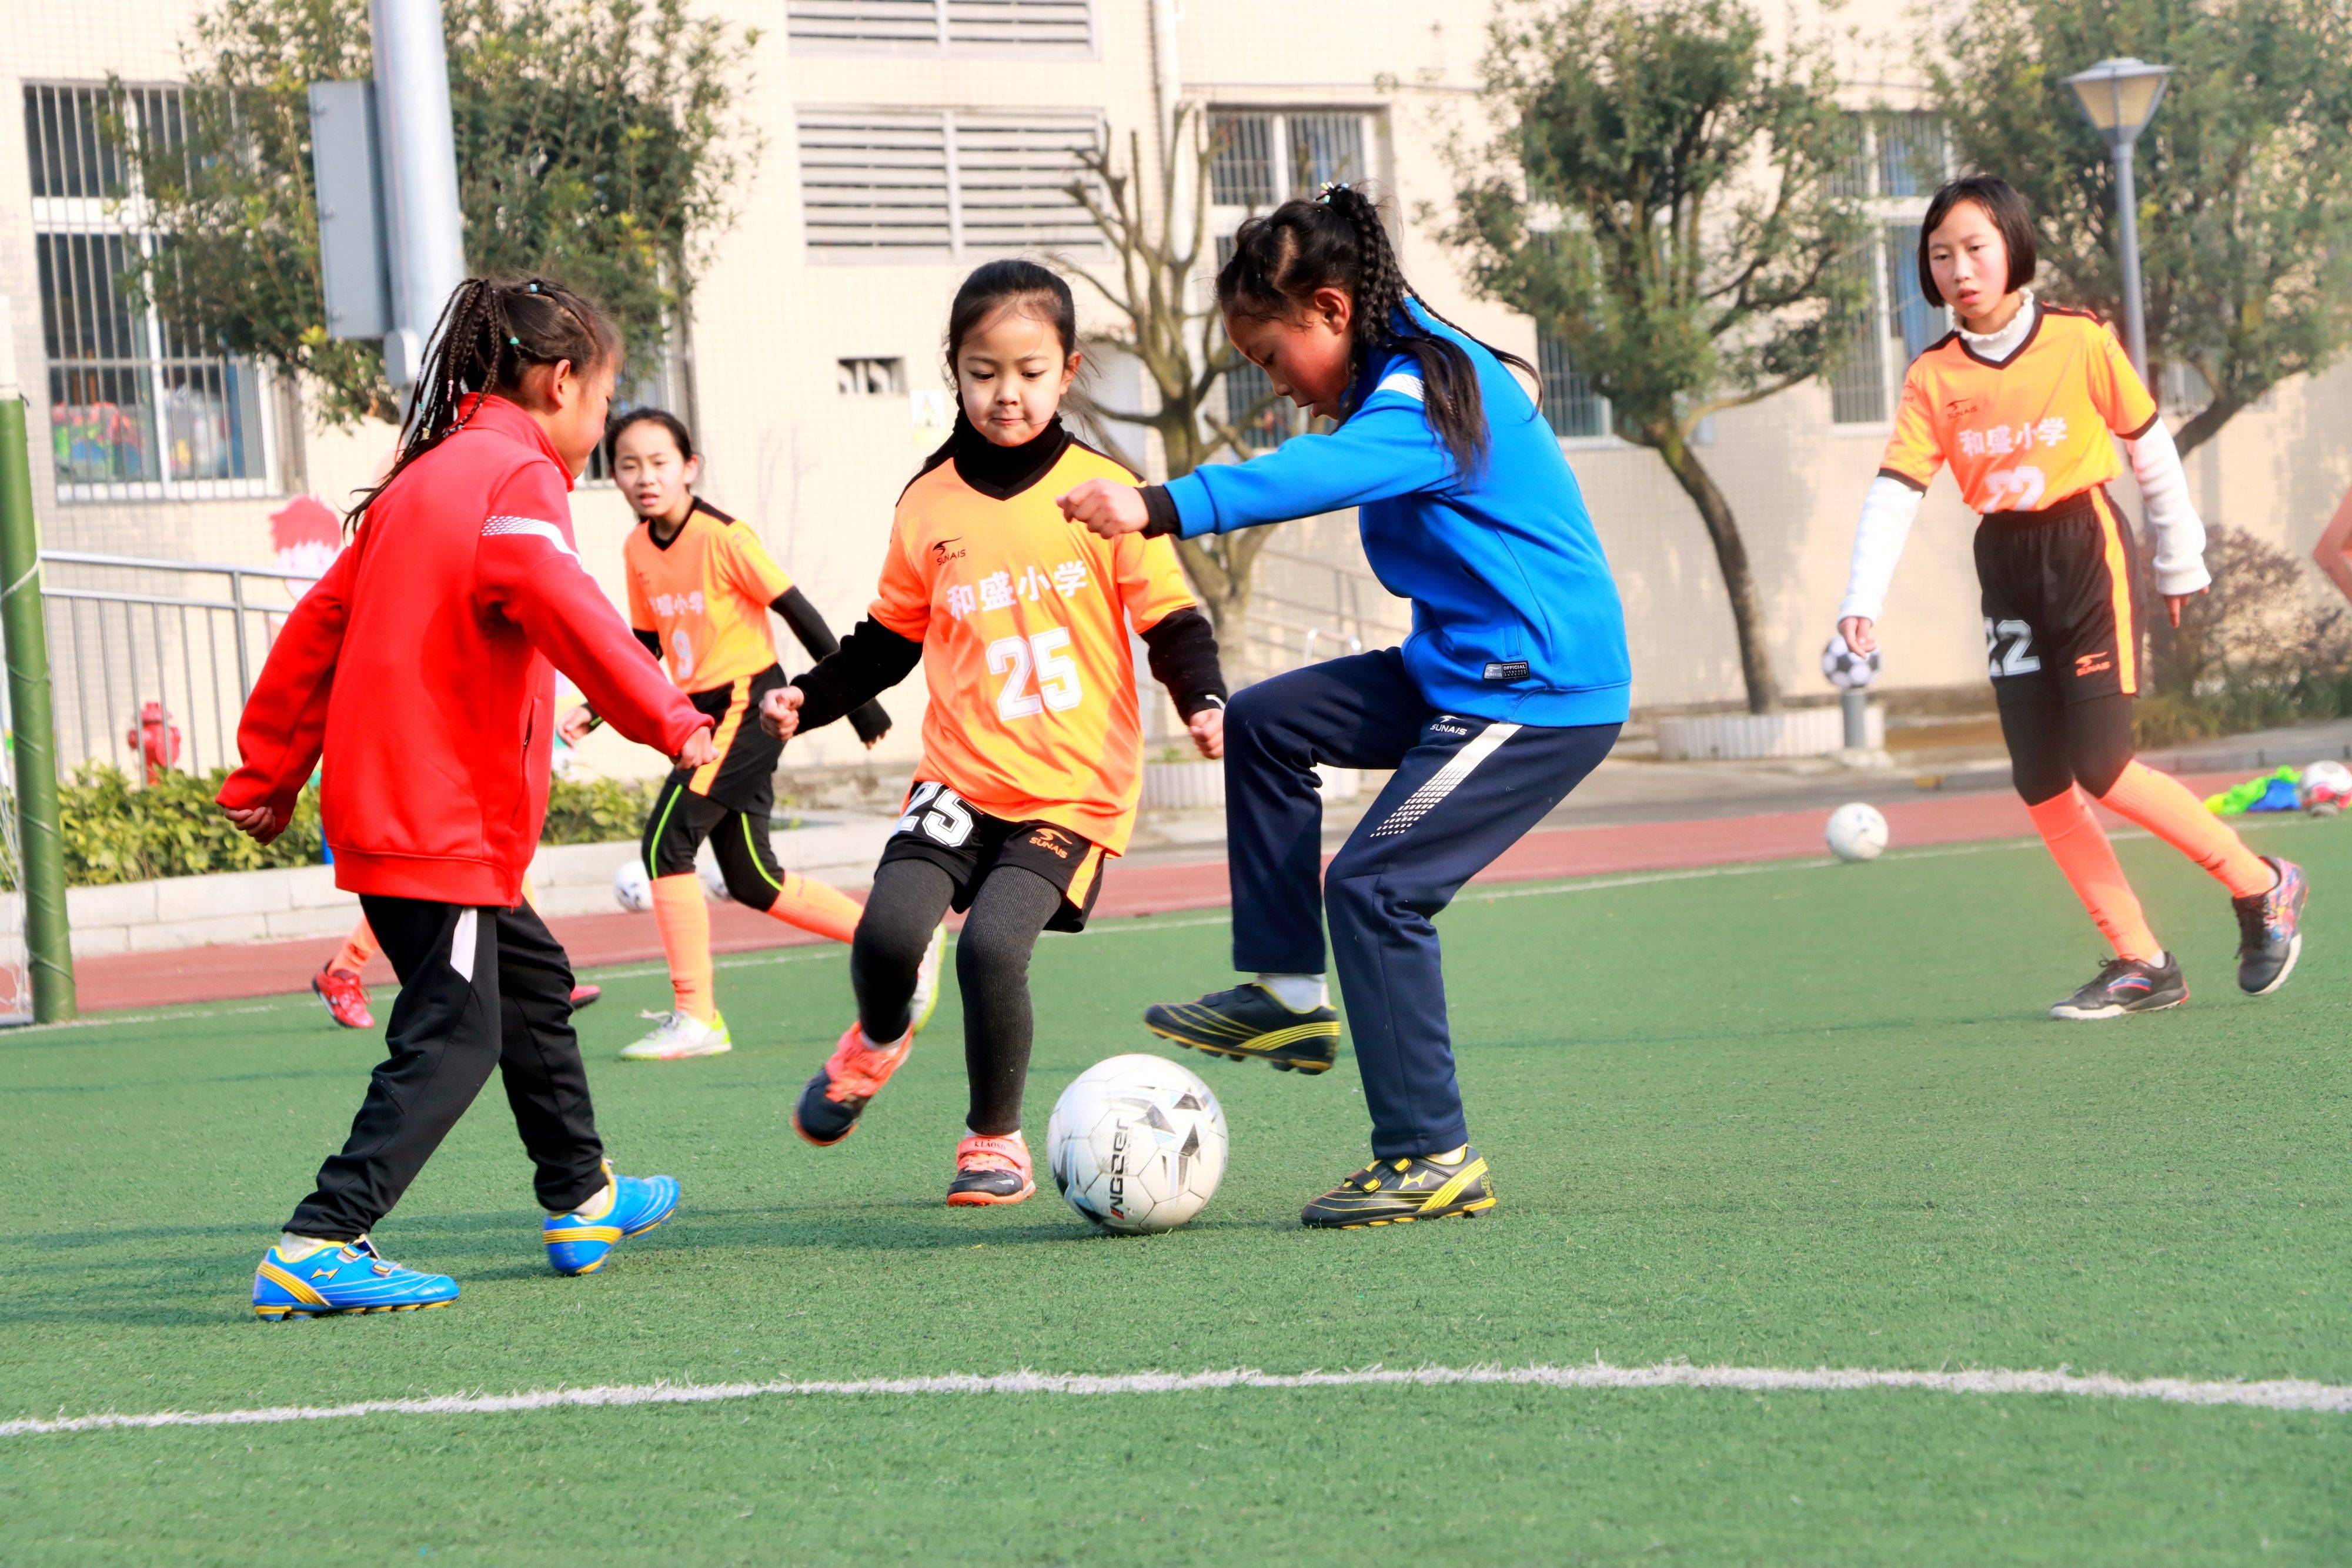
(489, 332)
(1337, 241)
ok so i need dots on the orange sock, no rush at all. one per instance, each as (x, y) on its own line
(817, 907)
(357, 949)
(2081, 849)
(2163, 805)
(684, 922)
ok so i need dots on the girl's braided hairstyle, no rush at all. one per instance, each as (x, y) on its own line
(489, 332)
(1337, 241)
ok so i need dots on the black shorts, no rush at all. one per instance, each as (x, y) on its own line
(743, 777)
(2059, 613)
(941, 827)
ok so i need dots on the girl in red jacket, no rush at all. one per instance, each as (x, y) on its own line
(424, 665)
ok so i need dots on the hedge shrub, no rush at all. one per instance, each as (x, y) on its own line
(116, 831)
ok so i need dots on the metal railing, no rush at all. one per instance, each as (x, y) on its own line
(186, 637)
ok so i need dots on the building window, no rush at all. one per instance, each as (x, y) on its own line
(1573, 410)
(935, 183)
(1259, 159)
(1898, 161)
(1039, 27)
(870, 377)
(141, 408)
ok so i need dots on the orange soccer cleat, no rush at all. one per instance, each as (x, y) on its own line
(833, 1100)
(991, 1170)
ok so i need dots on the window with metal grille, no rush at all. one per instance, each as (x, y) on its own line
(1258, 159)
(141, 407)
(1053, 27)
(1570, 405)
(869, 377)
(942, 183)
(1898, 159)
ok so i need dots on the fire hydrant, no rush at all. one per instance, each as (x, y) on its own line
(156, 739)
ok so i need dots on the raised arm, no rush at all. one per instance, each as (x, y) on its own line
(526, 567)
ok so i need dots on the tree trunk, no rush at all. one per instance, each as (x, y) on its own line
(2207, 423)
(1731, 556)
(1220, 568)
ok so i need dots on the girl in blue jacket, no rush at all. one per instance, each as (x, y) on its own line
(1510, 689)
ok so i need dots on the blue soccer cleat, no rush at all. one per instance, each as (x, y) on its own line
(577, 1246)
(352, 1277)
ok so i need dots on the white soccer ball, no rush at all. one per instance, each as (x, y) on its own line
(1136, 1143)
(1847, 670)
(714, 884)
(1857, 832)
(633, 890)
(2325, 789)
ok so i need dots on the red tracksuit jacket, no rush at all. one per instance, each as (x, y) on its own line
(421, 662)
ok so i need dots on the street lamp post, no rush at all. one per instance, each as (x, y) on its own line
(2119, 96)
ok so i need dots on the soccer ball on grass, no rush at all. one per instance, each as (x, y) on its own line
(1136, 1143)
(1856, 832)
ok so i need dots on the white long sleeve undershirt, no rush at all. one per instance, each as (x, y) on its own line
(1890, 507)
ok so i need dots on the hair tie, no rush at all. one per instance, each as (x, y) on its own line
(531, 287)
(514, 342)
(1324, 195)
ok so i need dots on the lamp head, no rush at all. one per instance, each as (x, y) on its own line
(2119, 96)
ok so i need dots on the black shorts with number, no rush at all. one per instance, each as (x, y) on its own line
(943, 828)
(2058, 601)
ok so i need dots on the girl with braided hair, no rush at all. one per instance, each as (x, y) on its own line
(422, 666)
(1510, 689)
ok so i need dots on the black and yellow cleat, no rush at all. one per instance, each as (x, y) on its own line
(1249, 1024)
(1399, 1191)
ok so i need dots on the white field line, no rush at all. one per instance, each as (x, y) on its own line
(1146, 923)
(2283, 1393)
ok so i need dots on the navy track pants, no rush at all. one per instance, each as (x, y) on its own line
(1465, 790)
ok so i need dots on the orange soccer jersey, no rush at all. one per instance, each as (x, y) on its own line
(706, 595)
(2028, 433)
(1023, 618)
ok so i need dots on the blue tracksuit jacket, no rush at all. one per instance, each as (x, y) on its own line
(1515, 616)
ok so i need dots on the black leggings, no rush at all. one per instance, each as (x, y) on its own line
(2054, 745)
(682, 819)
(908, 900)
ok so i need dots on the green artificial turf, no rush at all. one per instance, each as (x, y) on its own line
(1790, 1116)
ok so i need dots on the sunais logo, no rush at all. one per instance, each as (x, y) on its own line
(941, 554)
(1959, 407)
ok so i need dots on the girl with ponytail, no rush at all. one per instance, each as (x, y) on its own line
(1510, 689)
(423, 667)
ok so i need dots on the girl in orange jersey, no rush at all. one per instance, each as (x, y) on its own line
(1033, 742)
(2022, 403)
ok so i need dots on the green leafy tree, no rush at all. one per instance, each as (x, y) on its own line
(2244, 176)
(1168, 321)
(1661, 196)
(596, 141)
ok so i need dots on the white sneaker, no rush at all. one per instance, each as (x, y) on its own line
(678, 1035)
(927, 980)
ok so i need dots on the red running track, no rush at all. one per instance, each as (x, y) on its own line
(270, 968)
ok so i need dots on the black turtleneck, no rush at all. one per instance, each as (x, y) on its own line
(1181, 647)
(1002, 472)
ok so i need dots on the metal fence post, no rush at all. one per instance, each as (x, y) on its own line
(48, 943)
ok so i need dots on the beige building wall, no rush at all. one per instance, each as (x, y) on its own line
(817, 471)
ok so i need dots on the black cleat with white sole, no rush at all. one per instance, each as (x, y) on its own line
(2126, 986)
(1249, 1023)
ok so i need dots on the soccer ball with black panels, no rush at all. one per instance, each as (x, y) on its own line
(1136, 1143)
(1846, 669)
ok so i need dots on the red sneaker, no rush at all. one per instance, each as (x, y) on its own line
(583, 994)
(346, 997)
(991, 1170)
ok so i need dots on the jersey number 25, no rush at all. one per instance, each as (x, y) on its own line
(1044, 653)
